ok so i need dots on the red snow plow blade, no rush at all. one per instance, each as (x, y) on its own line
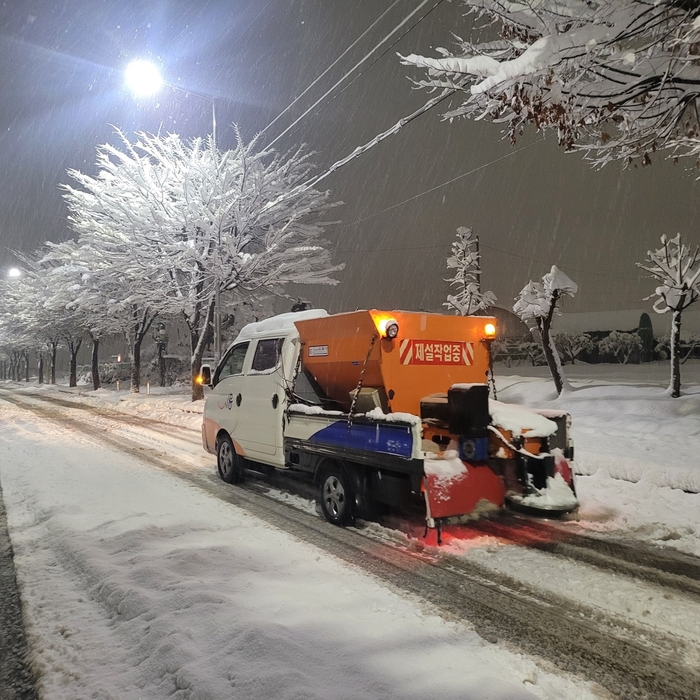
(452, 495)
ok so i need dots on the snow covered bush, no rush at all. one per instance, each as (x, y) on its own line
(533, 351)
(687, 347)
(677, 267)
(536, 305)
(571, 345)
(466, 263)
(617, 80)
(620, 345)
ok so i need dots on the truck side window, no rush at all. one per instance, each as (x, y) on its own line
(233, 362)
(267, 354)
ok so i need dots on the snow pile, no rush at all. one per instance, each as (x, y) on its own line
(446, 469)
(282, 323)
(167, 405)
(556, 495)
(378, 414)
(312, 410)
(446, 466)
(520, 421)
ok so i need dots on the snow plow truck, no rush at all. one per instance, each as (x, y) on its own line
(384, 408)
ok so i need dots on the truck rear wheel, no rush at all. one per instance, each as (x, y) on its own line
(228, 462)
(337, 497)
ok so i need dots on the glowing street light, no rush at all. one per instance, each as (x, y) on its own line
(143, 78)
(14, 272)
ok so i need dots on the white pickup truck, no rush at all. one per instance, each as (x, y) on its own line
(324, 403)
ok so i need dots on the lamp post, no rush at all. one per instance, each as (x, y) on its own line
(143, 78)
(161, 340)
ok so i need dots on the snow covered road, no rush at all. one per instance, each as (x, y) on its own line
(120, 560)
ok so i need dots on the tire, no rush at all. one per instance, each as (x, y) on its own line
(337, 496)
(228, 463)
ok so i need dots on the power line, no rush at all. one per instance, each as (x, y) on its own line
(332, 65)
(381, 55)
(448, 245)
(442, 184)
(379, 138)
(436, 246)
(348, 73)
(251, 23)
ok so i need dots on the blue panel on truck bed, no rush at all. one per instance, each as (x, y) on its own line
(383, 438)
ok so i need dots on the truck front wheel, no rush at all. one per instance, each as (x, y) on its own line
(337, 498)
(227, 461)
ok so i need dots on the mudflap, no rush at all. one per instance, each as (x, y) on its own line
(460, 494)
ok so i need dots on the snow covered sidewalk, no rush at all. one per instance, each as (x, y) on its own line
(637, 449)
(138, 585)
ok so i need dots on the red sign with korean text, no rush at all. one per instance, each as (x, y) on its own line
(435, 352)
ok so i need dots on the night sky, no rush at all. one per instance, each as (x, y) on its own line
(62, 89)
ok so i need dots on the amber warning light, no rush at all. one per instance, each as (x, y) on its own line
(490, 330)
(387, 326)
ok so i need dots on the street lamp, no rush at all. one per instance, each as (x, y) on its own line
(14, 272)
(143, 78)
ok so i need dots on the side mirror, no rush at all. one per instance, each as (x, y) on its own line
(205, 375)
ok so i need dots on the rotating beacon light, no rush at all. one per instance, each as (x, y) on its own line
(489, 331)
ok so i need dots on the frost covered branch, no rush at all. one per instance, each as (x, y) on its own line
(617, 80)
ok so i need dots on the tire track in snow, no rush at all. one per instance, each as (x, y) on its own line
(670, 569)
(16, 679)
(630, 660)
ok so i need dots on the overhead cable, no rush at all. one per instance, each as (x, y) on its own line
(378, 58)
(332, 65)
(380, 137)
(352, 70)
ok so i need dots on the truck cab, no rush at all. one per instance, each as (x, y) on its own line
(248, 396)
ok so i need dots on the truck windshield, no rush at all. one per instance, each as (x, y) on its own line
(233, 362)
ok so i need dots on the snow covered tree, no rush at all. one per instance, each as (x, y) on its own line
(571, 345)
(198, 221)
(85, 288)
(618, 80)
(677, 267)
(466, 263)
(23, 323)
(536, 305)
(620, 345)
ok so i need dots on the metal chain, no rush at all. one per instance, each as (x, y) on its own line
(362, 378)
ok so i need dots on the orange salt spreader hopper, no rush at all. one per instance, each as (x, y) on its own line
(405, 355)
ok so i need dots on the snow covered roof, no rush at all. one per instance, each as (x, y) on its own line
(283, 323)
